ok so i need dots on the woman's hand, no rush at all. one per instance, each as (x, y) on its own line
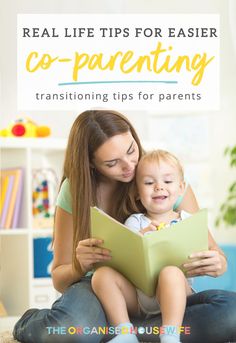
(210, 262)
(89, 252)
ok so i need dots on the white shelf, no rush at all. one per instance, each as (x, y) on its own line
(42, 281)
(42, 232)
(33, 143)
(23, 231)
(19, 290)
(9, 232)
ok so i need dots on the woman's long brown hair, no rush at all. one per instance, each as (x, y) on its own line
(90, 130)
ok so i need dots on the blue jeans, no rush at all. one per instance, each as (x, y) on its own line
(211, 316)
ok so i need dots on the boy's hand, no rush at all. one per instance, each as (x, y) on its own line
(150, 227)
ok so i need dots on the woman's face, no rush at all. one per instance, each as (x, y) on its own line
(117, 158)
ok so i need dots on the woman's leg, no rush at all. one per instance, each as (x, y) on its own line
(210, 315)
(78, 307)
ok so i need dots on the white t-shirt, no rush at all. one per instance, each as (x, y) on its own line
(139, 221)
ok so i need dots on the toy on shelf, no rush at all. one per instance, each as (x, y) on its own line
(44, 192)
(25, 127)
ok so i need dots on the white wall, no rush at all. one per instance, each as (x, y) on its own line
(221, 123)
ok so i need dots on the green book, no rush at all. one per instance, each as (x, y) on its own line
(140, 258)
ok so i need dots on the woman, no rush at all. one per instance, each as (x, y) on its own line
(103, 151)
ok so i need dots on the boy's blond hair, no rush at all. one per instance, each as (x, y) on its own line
(162, 155)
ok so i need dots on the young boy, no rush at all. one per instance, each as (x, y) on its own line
(160, 182)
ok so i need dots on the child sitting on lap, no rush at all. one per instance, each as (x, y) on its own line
(160, 181)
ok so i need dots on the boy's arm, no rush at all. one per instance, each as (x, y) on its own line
(133, 222)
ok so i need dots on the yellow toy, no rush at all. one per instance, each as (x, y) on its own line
(25, 127)
(161, 226)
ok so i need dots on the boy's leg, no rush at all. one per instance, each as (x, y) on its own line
(117, 295)
(172, 292)
(119, 299)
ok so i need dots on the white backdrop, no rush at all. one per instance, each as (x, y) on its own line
(221, 124)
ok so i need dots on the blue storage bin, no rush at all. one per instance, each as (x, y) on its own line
(42, 257)
(227, 281)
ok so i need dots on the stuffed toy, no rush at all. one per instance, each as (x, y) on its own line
(25, 127)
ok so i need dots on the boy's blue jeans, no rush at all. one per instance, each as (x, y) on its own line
(211, 316)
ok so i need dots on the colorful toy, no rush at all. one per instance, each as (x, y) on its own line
(174, 221)
(41, 192)
(161, 226)
(44, 192)
(25, 127)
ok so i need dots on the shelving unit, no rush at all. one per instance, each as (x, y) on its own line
(19, 290)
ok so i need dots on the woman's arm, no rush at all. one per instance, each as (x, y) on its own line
(222, 263)
(63, 274)
(189, 202)
(87, 253)
(212, 262)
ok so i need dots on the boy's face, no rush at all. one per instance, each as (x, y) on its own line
(159, 185)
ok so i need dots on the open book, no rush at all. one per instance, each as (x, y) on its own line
(140, 258)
